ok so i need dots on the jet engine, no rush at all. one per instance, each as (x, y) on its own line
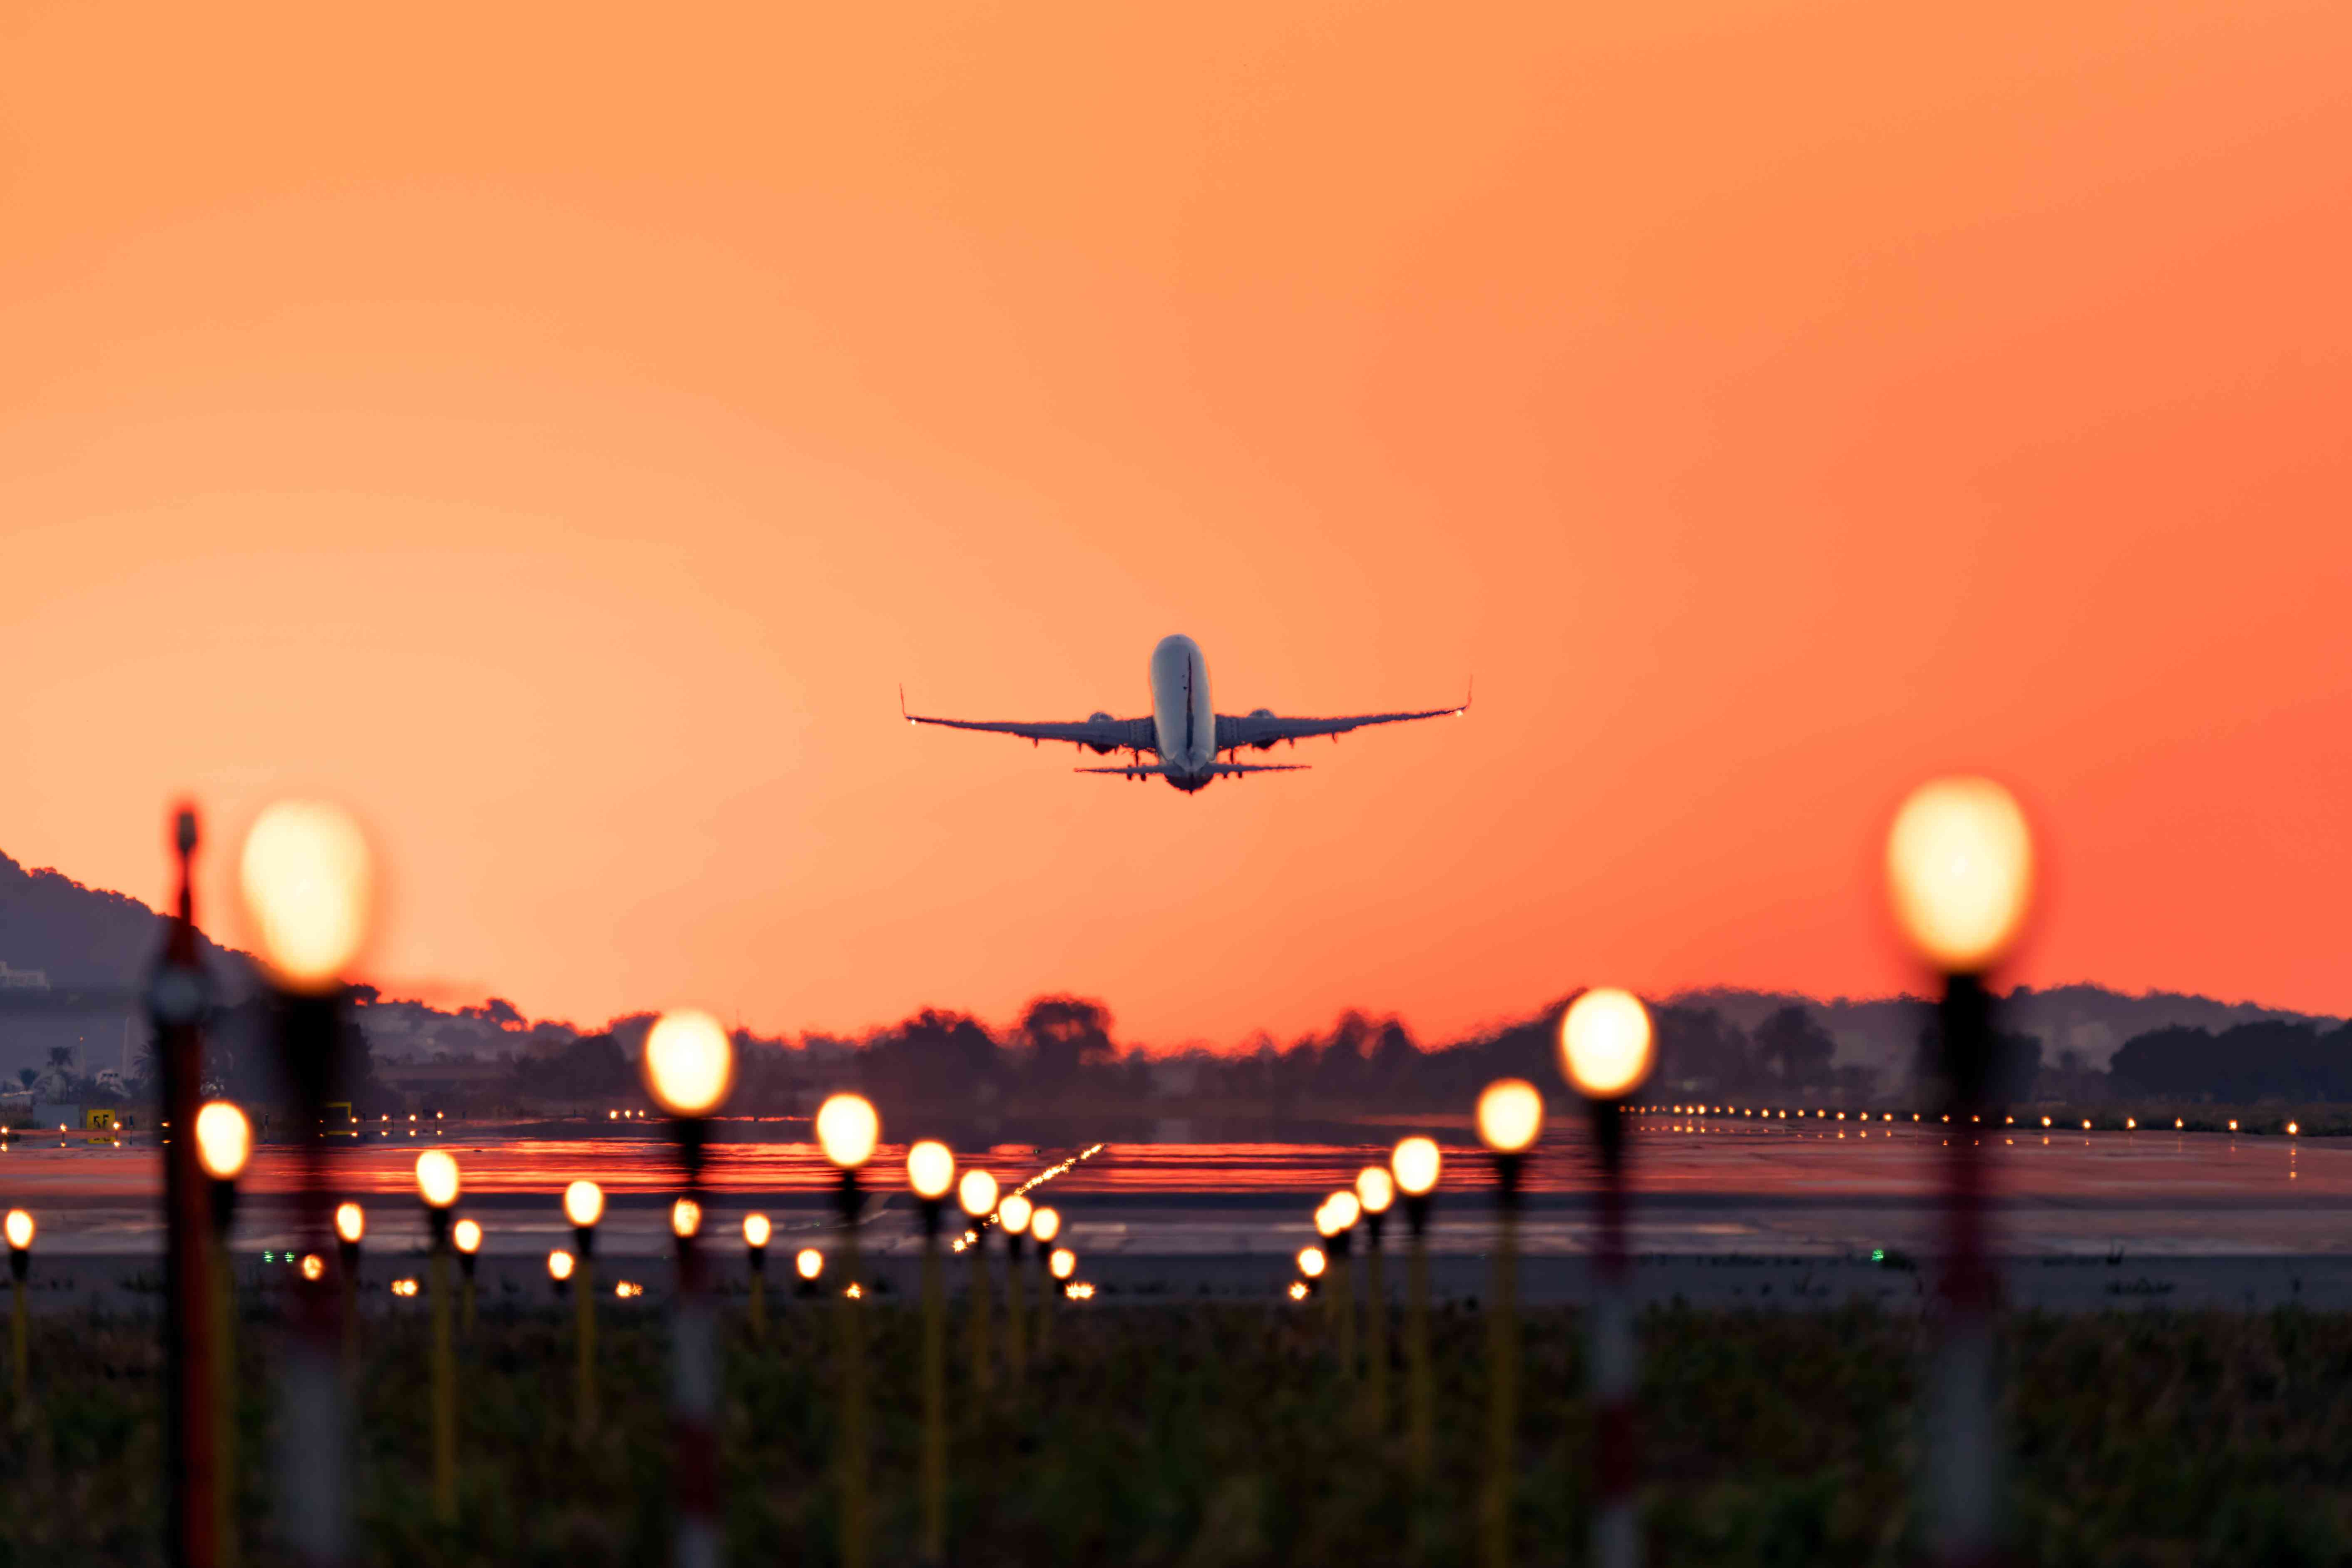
(1099, 748)
(1267, 745)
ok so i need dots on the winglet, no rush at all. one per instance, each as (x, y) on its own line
(1469, 691)
(902, 703)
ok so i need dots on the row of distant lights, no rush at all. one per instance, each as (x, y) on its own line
(2131, 1123)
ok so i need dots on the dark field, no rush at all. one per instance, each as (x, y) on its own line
(1201, 1435)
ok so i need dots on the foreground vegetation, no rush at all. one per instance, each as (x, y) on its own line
(1224, 1435)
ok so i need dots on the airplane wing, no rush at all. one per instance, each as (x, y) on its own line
(1101, 732)
(1262, 729)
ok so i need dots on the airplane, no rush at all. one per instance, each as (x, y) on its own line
(1183, 731)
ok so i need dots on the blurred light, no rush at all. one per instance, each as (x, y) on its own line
(2045, 1122)
(1079, 1292)
(1014, 1214)
(1959, 870)
(1416, 1164)
(1045, 1225)
(930, 1169)
(2086, 1124)
(2292, 1130)
(404, 1286)
(20, 1229)
(468, 1236)
(309, 882)
(1061, 1263)
(1312, 1262)
(808, 1263)
(314, 1268)
(1297, 1290)
(976, 1193)
(436, 1178)
(1326, 1223)
(559, 1265)
(848, 1129)
(350, 1223)
(856, 1291)
(1375, 1189)
(689, 1064)
(685, 1218)
(2233, 1124)
(627, 1290)
(223, 1140)
(1510, 1114)
(584, 1203)
(756, 1230)
(1346, 1209)
(1606, 1044)
(2131, 1123)
(2177, 1124)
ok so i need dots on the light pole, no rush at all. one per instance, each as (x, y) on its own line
(931, 1172)
(1959, 875)
(351, 1230)
(847, 1129)
(224, 1144)
(1375, 1191)
(1013, 1216)
(1605, 1050)
(1415, 1164)
(756, 1231)
(584, 1205)
(20, 1262)
(808, 1263)
(436, 1187)
(178, 994)
(309, 884)
(1510, 1115)
(467, 1236)
(559, 1266)
(690, 1065)
(1061, 1265)
(1337, 1220)
(1045, 1224)
(1311, 1265)
(976, 1195)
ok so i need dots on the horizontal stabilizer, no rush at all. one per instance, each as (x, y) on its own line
(1160, 769)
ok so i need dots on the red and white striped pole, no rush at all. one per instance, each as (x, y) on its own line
(1606, 1047)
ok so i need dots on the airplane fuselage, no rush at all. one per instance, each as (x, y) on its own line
(1182, 719)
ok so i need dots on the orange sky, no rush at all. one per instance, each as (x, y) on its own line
(556, 430)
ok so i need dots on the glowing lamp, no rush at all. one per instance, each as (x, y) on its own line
(1061, 1263)
(559, 1266)
(350, 1223)
(756, 1230)
(808, 1263)
(314, 1268)
(584, 1203)
(976, 1193)
(1375, 1189)
(848, 1129)
(1346, 1210)
(930, 1169)
(1014, 1214)
(223, 1140)
(436, 1178)
(20, 1230)
(1960, 872)
(689, 1064)
(1510, 1114)
(685, 1218)
(1045, 1225)
(309, 884)
(1606, 1044)
(468, 1236)
(1326, 1225)
(1416, 1164)
(1312, 1262)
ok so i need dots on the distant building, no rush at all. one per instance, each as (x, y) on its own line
(23, 979)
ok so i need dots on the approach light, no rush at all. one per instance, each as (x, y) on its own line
(309, 883)
(468, 1236)
(976, 1194)
(1606, 1044)
(1045, 1225)
(1959, 871)
(1510, 1114)
(560, 1264)
(350, 1223)
(808, 1263)
(1346, 1209)
(1375, 1189)
(1014, 1214)
(1061, 1263)
(930, 1169)
(436, 1178)
(685, 1218)
(584, 1203)
(223, 1140)
(1312, 1262)
(690, 1063)
(20, 1230)
(1416, 1164)
(847, 1128)
(756, 1230)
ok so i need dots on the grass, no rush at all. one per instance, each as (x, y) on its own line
(1213, 1435)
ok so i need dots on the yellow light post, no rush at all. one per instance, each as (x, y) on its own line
(756, 1231)
(1337, 1220)
(1960, 876)
(1606, 1048)
(1061, 1265)
(976, 1195)
(1415, 1164)
(690, 1065)
(1510, 1116)
(560, 1267)
(20, 1262)
(466, 1236)
(224, 1144)
(931, 1172)
(584, 1205)
(351, 1230)
(437, 1184)
(849, 1129)
(308, 882)
(1012, 1215)
(1311, 1265)
(808, 1263)
(1045, 1224)
(1375, 1191)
